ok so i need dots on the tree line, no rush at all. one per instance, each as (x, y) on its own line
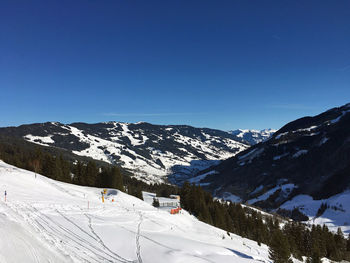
(58, 168)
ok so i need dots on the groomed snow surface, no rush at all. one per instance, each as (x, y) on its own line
(48, 221)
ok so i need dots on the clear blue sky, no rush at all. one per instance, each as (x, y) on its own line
(220, 64)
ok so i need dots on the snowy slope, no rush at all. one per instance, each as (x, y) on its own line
(45, 220)
(151, 152)
(336, 215)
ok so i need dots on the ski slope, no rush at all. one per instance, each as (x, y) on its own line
(48, 221)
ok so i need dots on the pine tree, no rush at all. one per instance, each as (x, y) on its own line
(105, 179)
(78, 173)
(65, 170)
(117, 179)
(91, 173)
(315, 255)
(37, 161)
(155, 202)
(279, 248)
(58, 172)
(49, 166)
(340, 243)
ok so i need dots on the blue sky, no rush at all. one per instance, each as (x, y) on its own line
(220, 64)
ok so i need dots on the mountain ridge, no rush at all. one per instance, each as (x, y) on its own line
(309, 156)
(150, 151)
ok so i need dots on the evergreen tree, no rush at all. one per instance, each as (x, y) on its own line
(49, 166)
(91, 173)
(279, 248)
(117, 179)
(58, 172)
(78, 174)
(105, 179)
(155, 202)
(315, 256)
(65, 170)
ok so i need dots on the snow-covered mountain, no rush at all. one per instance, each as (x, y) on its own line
(253, 137)
(150, 152)
(304, 164)
(48, 221)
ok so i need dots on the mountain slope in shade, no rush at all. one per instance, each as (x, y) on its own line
(309, 156)
(253, 137)
(151, 152)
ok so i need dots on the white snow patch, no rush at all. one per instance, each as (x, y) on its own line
(307, 129)
(198, 178)
(278, 157)
(286, 189)
(42, 140)
(280, 135)
(323, 141)
(248, 157)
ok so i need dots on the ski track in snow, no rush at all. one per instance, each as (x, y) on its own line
(138, 247)
(97, 237)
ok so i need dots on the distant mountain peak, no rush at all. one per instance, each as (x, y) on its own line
(251, 136)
